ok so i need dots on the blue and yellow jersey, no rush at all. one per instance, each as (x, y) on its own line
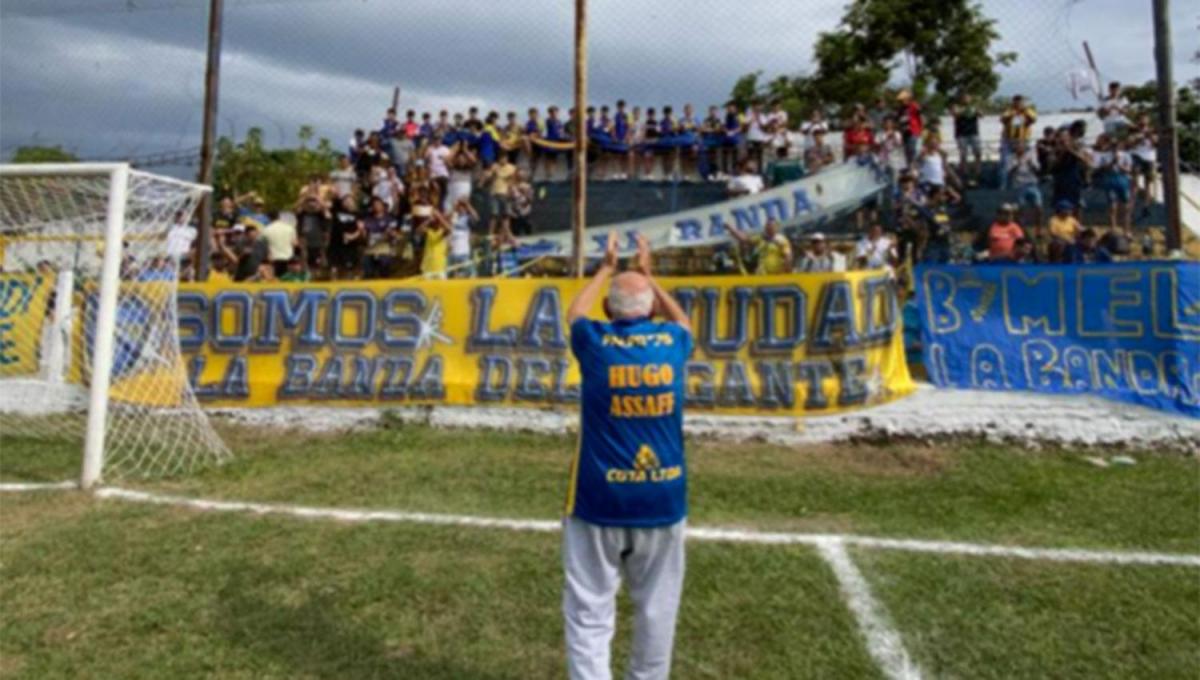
(554, 130)
(621, 126)
(629, 469)
(489, 144)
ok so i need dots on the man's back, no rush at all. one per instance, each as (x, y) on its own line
(280, 237)
(629, 470)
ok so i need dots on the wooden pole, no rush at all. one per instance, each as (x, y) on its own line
(212, 79)
(579, 179)
(1168, 141)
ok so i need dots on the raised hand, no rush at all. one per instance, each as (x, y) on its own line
(610, 250)
(644, 260)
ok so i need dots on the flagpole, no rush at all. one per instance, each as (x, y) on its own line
(579, 179)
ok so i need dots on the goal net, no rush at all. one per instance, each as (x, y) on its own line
(90, 257)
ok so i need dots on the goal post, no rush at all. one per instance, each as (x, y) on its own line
(89, 337)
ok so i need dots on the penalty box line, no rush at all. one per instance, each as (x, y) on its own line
(707, 534)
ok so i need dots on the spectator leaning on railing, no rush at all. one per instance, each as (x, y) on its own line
(417, 171)
(771, 250)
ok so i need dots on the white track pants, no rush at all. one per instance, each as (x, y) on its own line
(594, 558)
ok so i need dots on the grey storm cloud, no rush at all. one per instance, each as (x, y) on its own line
(107, 81)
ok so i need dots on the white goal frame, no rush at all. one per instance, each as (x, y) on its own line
(110, 274)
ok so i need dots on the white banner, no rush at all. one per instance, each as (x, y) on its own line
(802, 203)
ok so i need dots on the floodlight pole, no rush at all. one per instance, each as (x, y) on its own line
(579, 179)
(212, 79)
(1168, 142)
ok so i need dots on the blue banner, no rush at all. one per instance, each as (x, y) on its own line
(1127, 331)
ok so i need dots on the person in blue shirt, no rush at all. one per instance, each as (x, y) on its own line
(1086, 250)
(554, 132)
(627, 495)
(489, 140)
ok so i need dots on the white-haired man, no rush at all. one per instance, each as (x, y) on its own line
(627, 495)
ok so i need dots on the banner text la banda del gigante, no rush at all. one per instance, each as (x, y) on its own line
(811, 343)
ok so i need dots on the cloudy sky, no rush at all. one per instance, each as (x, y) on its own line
(114, 78)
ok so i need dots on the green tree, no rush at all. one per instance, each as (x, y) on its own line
(794, 93)
(275, 174)
(1144, 99)
(43, 154)
(745, 90)
(945, 46)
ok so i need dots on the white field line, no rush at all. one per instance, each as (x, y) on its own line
(17, 487)
(708, 534)
(883, 640)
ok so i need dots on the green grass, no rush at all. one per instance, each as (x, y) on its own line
(967, 491)
(106, 589)
(1073, 620)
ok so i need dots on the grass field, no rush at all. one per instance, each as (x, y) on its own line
(111, 589)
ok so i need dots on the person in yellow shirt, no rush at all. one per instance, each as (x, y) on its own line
(1018, 121)
(500, 176)
(772, 250)
(436, 231)
(1064, 230)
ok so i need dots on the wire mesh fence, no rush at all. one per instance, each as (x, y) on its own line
(300, 79)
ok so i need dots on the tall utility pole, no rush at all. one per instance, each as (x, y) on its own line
(1168, 141)
(579, 180)
(212, 78)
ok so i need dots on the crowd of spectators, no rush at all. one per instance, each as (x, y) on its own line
(402, 200)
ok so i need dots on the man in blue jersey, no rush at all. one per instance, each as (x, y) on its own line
(627, 495)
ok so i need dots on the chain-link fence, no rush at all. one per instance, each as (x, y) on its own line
(123, 79)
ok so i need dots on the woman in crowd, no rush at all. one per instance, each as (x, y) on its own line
(1113, 166)
(462, 163)
(462, 217)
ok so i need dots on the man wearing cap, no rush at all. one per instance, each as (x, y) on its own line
(627, 496)
(820, 257)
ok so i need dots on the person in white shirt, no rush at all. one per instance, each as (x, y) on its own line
(777, 122)
(282, 241)
(1114, 110)
(436, 158)
(461, 219)
(757, 133)
(931, 166)
(1144, 150)
(387, 186)
(818, 154)
(343, 177)
(1113, 167)
(745, 182)
(180, 237)
(890, 145)
(814, 125)
(820, 257)
(875, 250)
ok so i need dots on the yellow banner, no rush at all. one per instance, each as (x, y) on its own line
(811, 343)
(23, 305)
